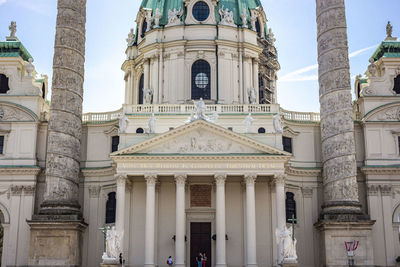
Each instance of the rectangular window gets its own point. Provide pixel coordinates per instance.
(287, 144)
(114, 143)
(1, 144)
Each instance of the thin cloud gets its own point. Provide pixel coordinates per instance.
(35, 6)
(2, 2)
(296, 76)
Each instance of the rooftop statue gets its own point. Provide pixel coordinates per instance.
(174, 17)
(226, 17)
(13, 29)
(30, 68)
(157, 17)
(244, 17)
(131, 37)
(253, 19)
(249, 122)
(389, 30)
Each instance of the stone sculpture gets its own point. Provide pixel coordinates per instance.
(278, 124)
(123, 123)
(252, 96)
(13, 29)
(287, 246)
(30, 68)
(253, 19)
(389, 30)
(113, 246)
(372, 68)
(131, 37)
(244, 17)
(201, 108)
(271, 36)
(149, 19)
(157, 17)
(151, 123)
(174, 17)
(249, 122)
(148, 95)
(226, 17)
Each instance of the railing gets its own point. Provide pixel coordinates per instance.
(101, 117)
(187, 109)
(182, 109)
(300, 116)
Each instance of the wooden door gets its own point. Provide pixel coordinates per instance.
(200, 242)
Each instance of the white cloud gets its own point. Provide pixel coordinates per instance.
(296, 76)
(3, 2)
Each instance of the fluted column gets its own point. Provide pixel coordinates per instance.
(251, 244)
(65, 124)
(279, 181)
(120, 209)
(180, 180)
(151, 180)
(220, 220)
(337, 126)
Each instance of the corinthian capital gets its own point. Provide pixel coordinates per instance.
(250, 178)
(151, 179)
(121, 178)
(180, 179)
(279, 178)
(220, 179)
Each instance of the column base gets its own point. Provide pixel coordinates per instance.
(221, 265)
(289, 265)
(251, 265)
(149, 265)
(109, 265)
(55, 242)
(179, 265)
(334, 234)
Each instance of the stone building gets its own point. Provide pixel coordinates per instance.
(178, 177)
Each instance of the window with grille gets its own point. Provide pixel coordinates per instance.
(397, 84)
(201, 79)
(3, 84)
(1, 144)
(290, 207)
(111, 206)
(287, 144)
(201, 11)
(114, 143)
(141, 85)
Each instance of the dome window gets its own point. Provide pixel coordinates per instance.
(261, 130)
(201, 72)
(201, 11)
(144, 28)
(139, 131)
(141, 87)
(3, 84)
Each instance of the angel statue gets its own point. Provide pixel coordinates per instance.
(123, 123)
(389, 30)
(226, 17)
(174, 17)
(277, 123)
(252, 96)
(13, 29)
(249, 122)
(287, 245)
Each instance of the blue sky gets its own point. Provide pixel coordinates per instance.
(109, 21)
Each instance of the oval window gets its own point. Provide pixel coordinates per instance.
(201, 11)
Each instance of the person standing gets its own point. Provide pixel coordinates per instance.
(199, 260)
(204, 259)
(170, 261)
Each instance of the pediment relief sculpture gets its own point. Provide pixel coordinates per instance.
(387, 114)
(10, 113)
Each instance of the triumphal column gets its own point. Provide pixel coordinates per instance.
(56, 230)
(341, 219)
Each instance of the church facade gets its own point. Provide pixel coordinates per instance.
(201, 157)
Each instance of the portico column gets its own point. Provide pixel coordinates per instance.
(120, 209)
(151, 180)
(220, 220)
(251, 244)
(180, 180)
(279, 180)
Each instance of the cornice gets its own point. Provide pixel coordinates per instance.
(15, 170)
(382, 170)
(311, 172)
(214, 157)
(101, 171)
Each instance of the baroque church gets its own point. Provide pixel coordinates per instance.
(200, 157)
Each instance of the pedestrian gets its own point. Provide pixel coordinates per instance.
(170, 261)
(204, 259)
(199, 259)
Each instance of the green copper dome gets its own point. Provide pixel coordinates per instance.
(236, 6)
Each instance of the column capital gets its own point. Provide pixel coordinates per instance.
(121, 178)
(250, 178)
(180, 179)
(279, 178)
(151, 178)
(220, 178)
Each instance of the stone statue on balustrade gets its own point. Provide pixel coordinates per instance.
(174, 17)
(131, 37)
(389, 30)
(13, 29)
(252, 96)
(278, 124)
(148, 95)
(157, 17)
(199, 113)
(244, 17)
(123, 123)
(249, 122)
(287, 245)
(113, 246)
(152, 123)
(226, 17)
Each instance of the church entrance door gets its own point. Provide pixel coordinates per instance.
(200, 241)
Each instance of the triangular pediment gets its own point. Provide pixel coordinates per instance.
(200, 137)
